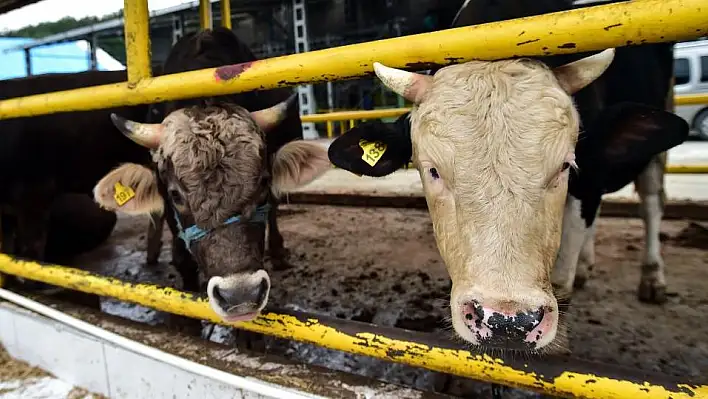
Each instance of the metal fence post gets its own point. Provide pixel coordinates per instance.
(205, 17)
(137, 40)
(225, 13)
(306, 95)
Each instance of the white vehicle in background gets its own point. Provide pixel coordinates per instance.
(691, 77)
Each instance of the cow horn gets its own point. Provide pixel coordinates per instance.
(269, 118)
(412, 86)
(146, 134)
(576, 75)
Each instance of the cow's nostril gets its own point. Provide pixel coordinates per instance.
(473, 313)
(222, 295)
(262, 291)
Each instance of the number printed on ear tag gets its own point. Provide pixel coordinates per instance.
(123, 194)
(373, 151)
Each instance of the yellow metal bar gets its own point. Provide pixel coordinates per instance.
(689, 169)
(137, 41)
(351, 116)
(691, 99)
(694, 99)
(225, 13)
(205, 20)
(585, 29)
(439, 358)
(351, 123)
(330, 129)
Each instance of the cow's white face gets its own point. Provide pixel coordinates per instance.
(493, 143)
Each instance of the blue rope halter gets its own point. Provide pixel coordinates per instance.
(194, 233)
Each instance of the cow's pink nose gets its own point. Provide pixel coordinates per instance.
(503, 329)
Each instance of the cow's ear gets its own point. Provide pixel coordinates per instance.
(624, 139)
(131, 189)
(298, 163)
(373, 148)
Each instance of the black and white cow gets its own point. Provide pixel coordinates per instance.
(513, 191)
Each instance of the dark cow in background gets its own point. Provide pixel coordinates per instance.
(514, 156)
(220, 164)
(49, 165)
(641, 74)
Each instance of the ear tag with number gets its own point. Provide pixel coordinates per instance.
(373, 151)
(123, 194)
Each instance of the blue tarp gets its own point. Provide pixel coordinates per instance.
(53, 58)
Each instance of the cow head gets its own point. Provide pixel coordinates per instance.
(494, 143)
(211, 166)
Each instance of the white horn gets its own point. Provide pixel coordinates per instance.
(269, 118)
(576, 75)
(412, 86)
(146, 134)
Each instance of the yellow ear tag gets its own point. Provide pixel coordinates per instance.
(123, 194)
(373, 151)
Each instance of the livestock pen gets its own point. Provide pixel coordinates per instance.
(588, 29)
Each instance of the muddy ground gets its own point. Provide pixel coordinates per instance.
(382, 266)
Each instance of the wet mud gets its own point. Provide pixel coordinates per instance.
(382, 266)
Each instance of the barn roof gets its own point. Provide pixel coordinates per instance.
(9, 5)
(52, 58)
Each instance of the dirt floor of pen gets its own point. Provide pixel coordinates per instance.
(381, 265)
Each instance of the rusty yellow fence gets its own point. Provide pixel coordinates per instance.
(587, 29)
(558, 376)
(349, 119)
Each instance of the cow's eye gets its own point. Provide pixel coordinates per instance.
(434, 173)
(565, 166)
(176, 197)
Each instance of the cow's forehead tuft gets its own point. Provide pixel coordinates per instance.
(205, 138)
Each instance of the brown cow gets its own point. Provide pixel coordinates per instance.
(212, 168)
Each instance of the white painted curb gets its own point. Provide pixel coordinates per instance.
(102, 362)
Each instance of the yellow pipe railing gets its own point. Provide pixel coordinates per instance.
(137, 42)
(687, 169)
(225, 13)
(684, 99)
(438, 356)
(353, 116)
(586, 29)
(205, 19)
(691, 99)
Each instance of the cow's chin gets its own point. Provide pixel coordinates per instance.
(240, 317)
(230, 315)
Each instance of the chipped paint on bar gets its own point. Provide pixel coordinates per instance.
(137, 41)
(565, 32)
(561, 378)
